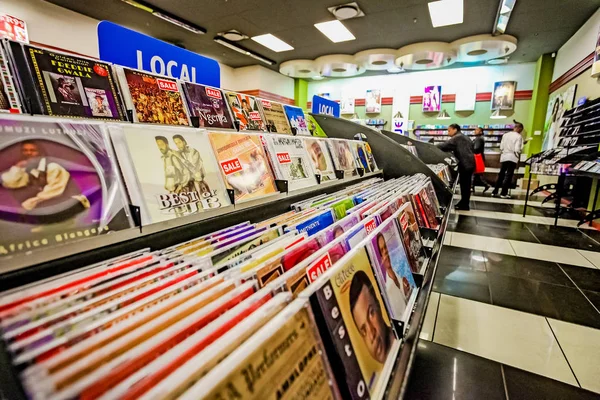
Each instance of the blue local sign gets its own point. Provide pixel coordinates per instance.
(122, 46)
(321, 105)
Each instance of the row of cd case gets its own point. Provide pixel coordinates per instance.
(313, 302)
(37, 80)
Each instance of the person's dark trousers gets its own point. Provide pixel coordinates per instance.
(505, 177)
(478, 180)
(465, 177)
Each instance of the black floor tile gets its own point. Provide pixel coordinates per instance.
(458, 256)
(563, 237)
(497, 207)
(440, 372)
(594, 297)
(523, 385)
(554, 301)
(463, 281)
(525, 268)
(585, 278)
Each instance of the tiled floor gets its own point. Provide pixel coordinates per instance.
(515, 312)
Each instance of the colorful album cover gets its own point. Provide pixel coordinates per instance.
(314, 128)
(338, 229)
(359, 232)
(208, 105)
(364, 314)
(275, 117)
(65, 85)
(411, 237)
(9, 97)
(244, 165)
(169, 172)
(321, 159)
(316, 224)
(245, 246)
(360, 155)
(246, 111)
(371, 158)
(343, 159)
(339, 208)
(391, 267)
(154, 99)
(58, 184)
(295, 255)
(297, 119)
(290, 161)
(429, 208)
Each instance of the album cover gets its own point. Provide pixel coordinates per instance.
(429, 208)
(343, 159)
(60, 84)
(170, 172)
(338, 229)
(245, 246)
(153, 99)
(316, 224)
(364, 316)
(244, 165)
(290, 161)
(275, 117)
(302, 251)
(360, 155)
(297, 119)
(208, 105)
(391, 267)
(411, 237)
(320, 158)
(246, 111)
(339, 208)
(58, 183)
(314, 128)
(9, 97)
(359, 232)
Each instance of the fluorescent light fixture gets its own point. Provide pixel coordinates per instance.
(503, 16)
(446, 12)
(496, 114)
(335, 31)
(272, 42)
(242, 50)
(165, 16)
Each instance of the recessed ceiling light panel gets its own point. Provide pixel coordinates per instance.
(335, 31)
(346, 11)
(272, 42)
(233, 35)
(446, 12)
(484, 47)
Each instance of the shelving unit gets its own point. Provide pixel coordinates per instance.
(493, 134)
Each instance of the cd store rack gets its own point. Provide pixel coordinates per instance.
(393, 160)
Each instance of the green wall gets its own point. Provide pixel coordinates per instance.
(539, 103)
(300, 92)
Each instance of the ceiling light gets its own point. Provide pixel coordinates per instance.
(395, 70)
(335, 31)
(496, 114)
(166, 16)
(233, 35)
(443, 115)
(497, 61)
(346, 11)
(242, 50)
(272, 42)
(446, 12)
(503, 16)
(318, 77)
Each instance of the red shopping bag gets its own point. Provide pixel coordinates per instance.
(479, 164)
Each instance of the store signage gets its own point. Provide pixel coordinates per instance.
(13, 28)
(129, 48)
(321, 105)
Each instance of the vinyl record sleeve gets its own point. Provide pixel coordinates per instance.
(321, 158)
(360, 155)
(316, 224)
(429, 208)
(342, 155)
(297, 119)
(58, 184)
(339, 208)
(63, 85)
(10, 101)
(411, 237)
(153, 98)
(246, 111)
(244, 165)
(169, 172)
(290, 161)
(391, 267)
(208, 104)
(275, 117)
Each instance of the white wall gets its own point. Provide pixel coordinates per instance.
(581, 44)
(414, 82)
(259, 77)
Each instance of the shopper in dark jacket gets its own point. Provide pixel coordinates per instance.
(479, 148)
(462, 148)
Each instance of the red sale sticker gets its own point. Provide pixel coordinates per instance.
(284, 158)
(214, 93)
(255, 116)
(266, 103)
(318, 268)
(231, 166)
(370, 226)
(100, 70)
(167, 85)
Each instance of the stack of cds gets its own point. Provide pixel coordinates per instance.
(312, 303)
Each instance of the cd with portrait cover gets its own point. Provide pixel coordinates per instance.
(411, 236)
(290, 161)
(58, 184)
(170, 172)
(153, 99)
(208, 104)
(243, 164)
(275, 117)
(60, 84)
(246, 111)
(297, 119)
(342, 155)
(320, 158)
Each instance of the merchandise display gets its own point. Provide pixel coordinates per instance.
(275, 117)
(343, 157)
(321, 159)
(208, 105)
(290, 161)
(297, 119)
(246, 111)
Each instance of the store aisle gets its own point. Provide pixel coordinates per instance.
(515, 311)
